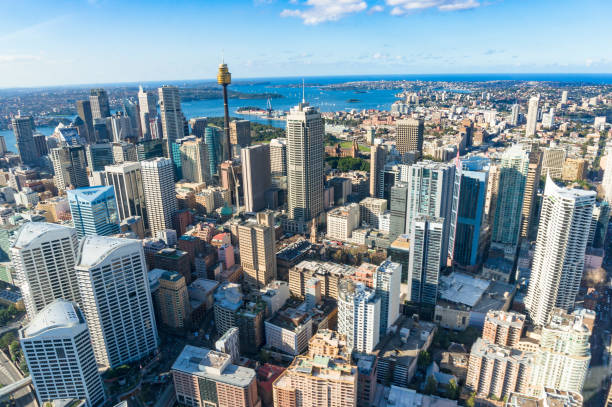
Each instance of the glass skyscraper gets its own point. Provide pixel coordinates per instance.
(94, 211)
(212, 138)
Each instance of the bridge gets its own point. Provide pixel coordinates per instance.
(13, 387)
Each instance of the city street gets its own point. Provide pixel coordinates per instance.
(10, 374)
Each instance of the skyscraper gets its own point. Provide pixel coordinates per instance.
(198, 126)
(70, 167)
(99, 155)
(531, 189)
(256, 179)
(378, 159)
(257, 253)
(94, 211)
(148, 110)
(426, 239)
(514, 117)
(240, 133)
(112, 278)
(100, 108)
(606, 183)
(43, 255)
(397, 206)
(532, 116)
(23, 127)
(195, 165)
(158, 182)
(358, 315)
(57, 347)
(126, 178)
(278, 162)
(558, 262)
(564, 97)
(171, 114)
(468, 211)
(84, 112)
(305, 162)
(511, 190)
(213, 139)
(387, 281)
(430, 193)
(409, 136)
(173, 300)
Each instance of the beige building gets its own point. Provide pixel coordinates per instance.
(240, 133)
(207, 378)
(342, 221)
(531, 188)
(503, 328)
(257, 253)
(552, 161)
(574, 169)
(370, 209)
(409, 135)
(173, 300)
(330, 274)
(323, 377)
(194, 161)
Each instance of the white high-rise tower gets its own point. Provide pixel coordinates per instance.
(148, 110)
(560, 248)
(44, 256)
(532, 115)
(112, 278)
(158, 182)
(305, 149)
(171, 114)
(57, 348)
(358, 315)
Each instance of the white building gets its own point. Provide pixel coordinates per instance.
(548, 119)
(358, 315)
(370, 209)
(342, 221)
(43, 255)
(275, 295)
(159, 192)
(387, 282)
(606, 183)
(126, 178)
(171, 115)
(28, 197)
(289, 335)
(563, 358)
(114, 286)
(532, 116)
(230, 343)
(558, 262)
(305, 161)
(148, 110)
(57, 348)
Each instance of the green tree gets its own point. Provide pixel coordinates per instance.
(471, 401)
(424, 360)
(432, 386)
(452, 391)
(6, 340)
(14, 349)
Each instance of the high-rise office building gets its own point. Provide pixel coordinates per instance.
(514, 116)
(606, 183)
(204, 377)
(257, 253)
(229, 343)
(114, 287)
(378, 159)
(198, 126)
(147, 149)
(532, 182)
(158, 182)
(430, 193)
(101, 131)
(358, 315)
(213, 139)
(467, 212)
(553, 159)
(564, 97)
(599, 224)
(148, 110)
(278, 157)
(305, 132)
(126, 178)
(131, 110)
(409, 136)
(99, 155)
(195, 165)
(532, 116)
(94, 211)
(171, 114)
(558, 262)
(562, 360)
(173, 300)
(98, 99)
(70, 166)
(240, 133)
(387, 280)
(510, 195)
(324, 377)
(40, 140)
(503, 328)
(43, 255)
(256, 178)
(23, 127)
(426, 240)
(57, 347)
(84, 112)
(123, 152)
(397, 206)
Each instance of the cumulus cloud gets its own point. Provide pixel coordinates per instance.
(318, 11)
(400, 7)
(376, 9)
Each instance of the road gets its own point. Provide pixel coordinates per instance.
(10, 327)
(10, 374)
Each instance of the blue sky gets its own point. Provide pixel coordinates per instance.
(99, 41)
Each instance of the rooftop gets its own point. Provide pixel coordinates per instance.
(462, 288)
(95, 249)
(58, 314)
(30, 231)
(90, 194)
(212, 365)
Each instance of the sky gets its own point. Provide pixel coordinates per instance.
(48, 43)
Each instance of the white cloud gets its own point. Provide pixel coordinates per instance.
(319, 11)
(376, 9)
(18, 58)
(406, 6)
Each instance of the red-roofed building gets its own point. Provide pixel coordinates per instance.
(266, 374)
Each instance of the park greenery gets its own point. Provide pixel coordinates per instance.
(345, 164)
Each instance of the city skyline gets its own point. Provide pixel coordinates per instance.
(377, 37)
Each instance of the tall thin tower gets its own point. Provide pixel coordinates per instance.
(224, 78)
